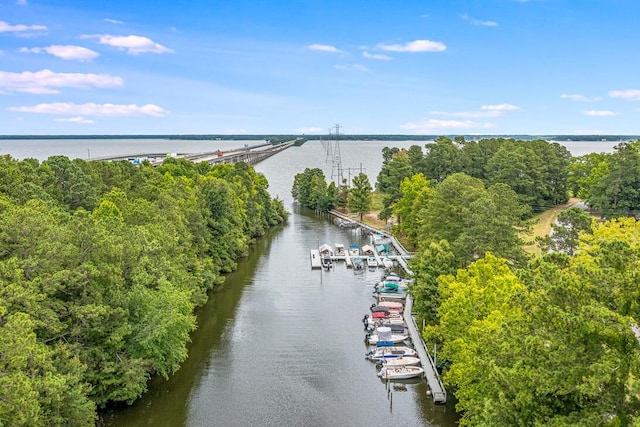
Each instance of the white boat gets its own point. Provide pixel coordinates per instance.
(387, 262)
(401, 361)
(357, 262)
(371, 261)
(339, 249)
(384, 336)
(354, 250)
(327, 262)
(400, 372)
(375, 339)
(385, 353)
(397, 297)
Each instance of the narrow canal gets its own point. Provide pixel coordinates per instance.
(282, 344)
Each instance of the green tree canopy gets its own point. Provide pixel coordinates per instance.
(360, 197)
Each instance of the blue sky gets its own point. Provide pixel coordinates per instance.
(376, 67)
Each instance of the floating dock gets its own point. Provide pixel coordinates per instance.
(316, 262)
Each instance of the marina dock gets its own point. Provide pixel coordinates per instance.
(436, 387)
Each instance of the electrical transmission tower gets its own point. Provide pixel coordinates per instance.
(336, 166)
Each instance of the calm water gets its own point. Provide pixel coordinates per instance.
(280, 344)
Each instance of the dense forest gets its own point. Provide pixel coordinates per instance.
(101, 267)
(523, 340)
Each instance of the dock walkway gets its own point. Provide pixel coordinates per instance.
(438, 392)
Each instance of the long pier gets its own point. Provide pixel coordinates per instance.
(250, 155)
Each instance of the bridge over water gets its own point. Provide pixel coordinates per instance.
(248, 154)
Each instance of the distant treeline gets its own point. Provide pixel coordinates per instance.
(374, 137)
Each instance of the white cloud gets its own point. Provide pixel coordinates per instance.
(500, 107)
(73, 53)
(46, 81)
(474, 21)
(7, 28)
(599, 113)
(631, 94)
(324, 48)
(436, 126)
(113, 21)
(134, 45)
(351, 67)
(578, 97)
(414, 46)
(80, 120)
(378, 56)
(91, 109)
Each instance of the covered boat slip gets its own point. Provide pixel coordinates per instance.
(339, 253)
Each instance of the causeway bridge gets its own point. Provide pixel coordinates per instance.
(247, 154)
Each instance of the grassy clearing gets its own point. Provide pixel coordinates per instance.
(542, 225)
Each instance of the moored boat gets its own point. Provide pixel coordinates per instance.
(384, 353)
(391, 296)
(387, 262)
(391, 305)
(400, 361)
(357, 262)
(389, 341)
(385, 337)
(386, 317)
(400, 372)
(371, 261)
(327, 262)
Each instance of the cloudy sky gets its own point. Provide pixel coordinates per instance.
(301, 66)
